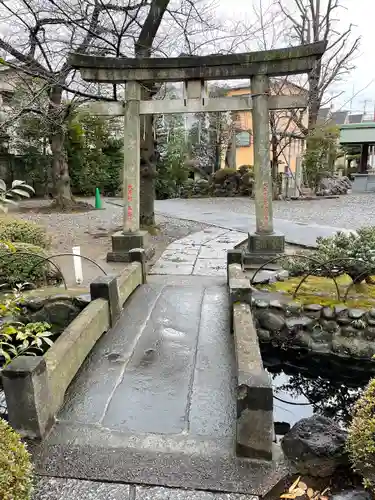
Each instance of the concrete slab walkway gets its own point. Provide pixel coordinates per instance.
(154, 403)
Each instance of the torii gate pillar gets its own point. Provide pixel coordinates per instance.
(264, 243)
(131, 236)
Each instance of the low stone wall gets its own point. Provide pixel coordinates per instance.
(254, 433)
(35, 386)
(337, 330)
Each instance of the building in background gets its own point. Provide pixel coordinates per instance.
(285, 131)
(341, 117)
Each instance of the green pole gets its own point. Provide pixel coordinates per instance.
(98, 201)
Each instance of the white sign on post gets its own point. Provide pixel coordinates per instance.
(77, 263)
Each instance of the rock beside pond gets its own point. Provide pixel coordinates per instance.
(315, 446)
(352, 495)
(59, 310)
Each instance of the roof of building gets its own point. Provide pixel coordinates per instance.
(357, 118)
(339, 117)
(359, 125)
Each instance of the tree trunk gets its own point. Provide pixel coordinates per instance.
(62, 193)
(60, 172)
(230, 156)
(314, 97)
(147, 168)
(143, 48)
(274, 157)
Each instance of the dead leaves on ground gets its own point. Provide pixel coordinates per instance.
(301, 491)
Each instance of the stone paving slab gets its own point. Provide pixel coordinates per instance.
(144, 493)
(210, 267)
(212, 252)
(210, 472)
(162, 324)
(158, 378)
(167, 267)
(232, 237)
(204, 236)
(74, 489)
(181, 257)
(200, 254)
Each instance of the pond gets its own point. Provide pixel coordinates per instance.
(304, 386)
(3, 406)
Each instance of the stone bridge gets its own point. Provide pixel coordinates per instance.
(154, 400)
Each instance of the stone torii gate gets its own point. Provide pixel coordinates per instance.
(195, 71)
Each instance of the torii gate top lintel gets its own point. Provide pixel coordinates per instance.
(277, 62)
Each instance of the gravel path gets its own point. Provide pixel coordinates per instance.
(350, 211)
(92, 232)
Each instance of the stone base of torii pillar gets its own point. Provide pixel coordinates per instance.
(122, 243)
(262, 248)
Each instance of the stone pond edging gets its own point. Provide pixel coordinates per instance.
(254, 429)
(339, 330)
(35, 386)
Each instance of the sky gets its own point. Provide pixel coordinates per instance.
(357, 12)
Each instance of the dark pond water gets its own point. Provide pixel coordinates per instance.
(3, 406)
(304, 386)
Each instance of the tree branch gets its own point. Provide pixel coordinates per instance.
(150, 27)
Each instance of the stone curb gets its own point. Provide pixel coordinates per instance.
(254, 432)
(35, 386)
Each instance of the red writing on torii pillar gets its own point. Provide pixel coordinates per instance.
(130, 192)
(130, 199)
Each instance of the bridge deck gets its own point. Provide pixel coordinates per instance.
(154, 403)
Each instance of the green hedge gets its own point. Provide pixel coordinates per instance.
(23, 231)
(15, 466)
(361, 440)
(15, 269)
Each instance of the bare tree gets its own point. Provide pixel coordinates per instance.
(317, 20)
(283, 123)
(38, 35)
(43, 34)
(283, 128)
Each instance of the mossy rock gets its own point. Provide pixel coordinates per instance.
(222, 175)
(361, 438)
(245, 169)
(320, 290)
(15, 466)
